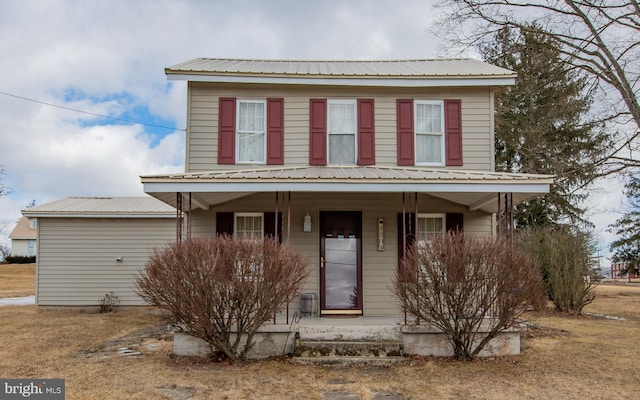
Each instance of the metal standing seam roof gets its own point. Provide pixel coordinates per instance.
(351, 174)
(417, 69)
(103, 206)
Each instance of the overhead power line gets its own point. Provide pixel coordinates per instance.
(90, 113)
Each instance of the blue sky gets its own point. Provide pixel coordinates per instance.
(108, 58)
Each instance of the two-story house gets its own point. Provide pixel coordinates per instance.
(348, 161)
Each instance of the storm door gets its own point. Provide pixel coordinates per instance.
(340, 262)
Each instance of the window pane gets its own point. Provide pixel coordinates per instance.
(251, 147)
(428, 118)
(428, 227)
(251, 117)
(428, 149)
(342, 133)
(342, 118)
(248, 226)
(251, 131)
(342, 149)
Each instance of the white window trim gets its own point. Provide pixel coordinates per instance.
(247, 214)
(355, 135)
(442, 135)
(443, 217)
(237, 146)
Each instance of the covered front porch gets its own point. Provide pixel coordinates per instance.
(353, 224)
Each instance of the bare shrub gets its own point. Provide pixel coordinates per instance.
(222, 290)
(471, 288)
(565, 262)
(109, 303)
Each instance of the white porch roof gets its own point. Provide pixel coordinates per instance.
(477, 190)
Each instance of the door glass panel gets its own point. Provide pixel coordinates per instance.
(341, 273)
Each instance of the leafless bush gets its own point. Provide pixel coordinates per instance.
(564, 260)
(109, 303)
(222, 290)
(471, 288)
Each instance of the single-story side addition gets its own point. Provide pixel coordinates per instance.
(90, 246)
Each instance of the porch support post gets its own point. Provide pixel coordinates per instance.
(275, 234)
(509, 220)
(289, 218)
(404, 245)
(190, 217)
(499, 216)
(178, 217)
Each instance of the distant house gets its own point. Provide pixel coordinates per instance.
(24, 237)
(616, 272)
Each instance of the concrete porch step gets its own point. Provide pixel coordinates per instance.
(350, 329)
(341, 348)
(336, 361)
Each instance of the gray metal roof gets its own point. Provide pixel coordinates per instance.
(478, 190)
(458, 72)
(121, 207)
(352, 174)
(458, 67)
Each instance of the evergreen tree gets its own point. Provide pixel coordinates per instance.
(626, 248)
(541, 125)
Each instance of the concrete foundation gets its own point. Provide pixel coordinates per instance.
(426, 340)
(269, 341)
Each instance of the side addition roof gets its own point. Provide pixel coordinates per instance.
(103, 207)
(398, 73)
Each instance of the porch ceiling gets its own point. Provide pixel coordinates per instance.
(478, 190)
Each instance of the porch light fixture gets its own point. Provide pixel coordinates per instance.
(380, 234)
(307, 223)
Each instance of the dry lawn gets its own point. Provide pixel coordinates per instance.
(17, 280)
(571, 358)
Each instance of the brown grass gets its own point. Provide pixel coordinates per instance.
(572, 358)
(17, 280)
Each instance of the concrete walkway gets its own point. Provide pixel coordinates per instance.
(18, 301)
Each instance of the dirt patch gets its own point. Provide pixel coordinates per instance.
(134, 344)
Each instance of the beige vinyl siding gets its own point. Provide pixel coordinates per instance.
(77, 257)
(378, 267)
(477, 125)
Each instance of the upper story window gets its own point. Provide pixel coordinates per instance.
(251, 133)
(342, 132)
(33, 223)
(429, 131)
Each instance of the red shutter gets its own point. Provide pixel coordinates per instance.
(318, 132)
(453, 132)
(275, 131)
(406, 155)
(227, 131)
(224, 223)
(454, 222)
(366, 133)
